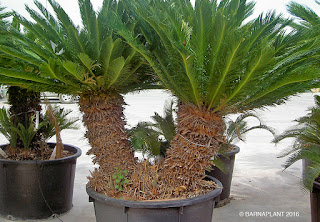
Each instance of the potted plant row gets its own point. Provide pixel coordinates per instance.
(37, 179)
(206, 54)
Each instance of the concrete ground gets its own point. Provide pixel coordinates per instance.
(261, 190)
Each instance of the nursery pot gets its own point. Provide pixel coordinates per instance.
(314, 196)
(315, 202)
(183, 210)
(225, 178)
(37, 189)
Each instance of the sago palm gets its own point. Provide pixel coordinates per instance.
(90, 61)
(216, 62)
(307, 132)
(306, 145)
(20, 114)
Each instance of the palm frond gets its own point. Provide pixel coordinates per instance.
(82, 59)
(236, 130)
(306, 14)
(207, 56)
(306, 144)
(48, 128)
(154, 137)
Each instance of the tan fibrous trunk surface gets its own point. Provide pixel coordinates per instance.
(198, 138)
(104, 119)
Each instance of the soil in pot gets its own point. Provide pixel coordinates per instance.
(30, 154)
(37, 189)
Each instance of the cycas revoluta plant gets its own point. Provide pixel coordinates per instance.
(216, 64)
(306, 145)
(307, 131)
(91, 61)
(21, 116)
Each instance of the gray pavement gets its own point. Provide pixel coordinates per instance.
(261, 190)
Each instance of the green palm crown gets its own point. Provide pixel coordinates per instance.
(67, 58)
(210, 55)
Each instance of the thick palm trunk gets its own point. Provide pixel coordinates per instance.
(104, 119)
(199, 134)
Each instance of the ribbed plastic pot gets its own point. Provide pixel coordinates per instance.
(225, 178)
(37, 189)
(185, 210)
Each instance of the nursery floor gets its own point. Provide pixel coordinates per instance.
(261, 190)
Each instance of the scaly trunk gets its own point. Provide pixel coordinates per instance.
(199, 135)
(104, 119)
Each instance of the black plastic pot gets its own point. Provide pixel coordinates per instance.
(225, 178)
(315, 202)
(37, 189)
(314, 195)
(186, 210)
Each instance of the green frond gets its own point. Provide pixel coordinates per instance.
(36, 30)
(143, 138)
(48, 128)
(236, 130)
(75, 69)
(116, 67)
(312, 172)
(23, 55)
(146, 136)
(19, 74)
(90, 23)
(80, 59)
(6, 126)
(46, 27)
(306, 14)
(306, 145)
(207, 56)
(26, 134)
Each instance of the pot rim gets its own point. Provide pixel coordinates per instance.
(77, 153)
(157, 204)
(231, 153)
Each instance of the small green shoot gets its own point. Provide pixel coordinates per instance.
(120, 179)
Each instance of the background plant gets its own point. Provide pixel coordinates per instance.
(307, 131)
(26, 132)
(153, 138)
(306, 145)
(237, 129)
